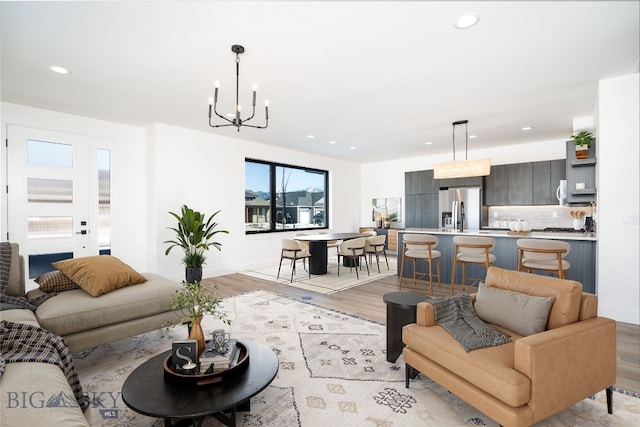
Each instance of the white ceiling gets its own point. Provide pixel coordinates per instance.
(384, 77)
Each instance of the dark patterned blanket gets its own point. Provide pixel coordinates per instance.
(8, 302)
(26, 343)
(456, 315)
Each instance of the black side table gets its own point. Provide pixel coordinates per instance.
(401, 310)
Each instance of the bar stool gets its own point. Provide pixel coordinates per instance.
(421, 246)
(548, 255)
(471, 250)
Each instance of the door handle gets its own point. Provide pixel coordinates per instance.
(82, 232)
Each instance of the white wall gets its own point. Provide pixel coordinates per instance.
(618, 194)
(158, 168)
(206, 172)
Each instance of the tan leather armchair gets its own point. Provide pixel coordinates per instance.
(532, 377)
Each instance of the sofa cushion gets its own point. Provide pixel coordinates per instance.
(518, 312)
(21, 315)
(490, 369)
(99, 274)
(567, 293)
(26, 388)
(74, 311)
(55, 281)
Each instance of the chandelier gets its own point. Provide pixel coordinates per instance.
(237, 120)
(461, 168)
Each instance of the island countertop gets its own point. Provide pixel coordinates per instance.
(582, 255)
(505, 233)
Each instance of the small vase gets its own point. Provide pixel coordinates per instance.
(197, 334)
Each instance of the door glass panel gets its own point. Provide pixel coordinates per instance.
(104, 201)
(43, 190)
(49, 227)
(53, 154)
(40, 264)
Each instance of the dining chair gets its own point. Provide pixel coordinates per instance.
(353, 250)
(292, 250)
(376, 246)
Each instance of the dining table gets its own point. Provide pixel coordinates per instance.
(318, 248)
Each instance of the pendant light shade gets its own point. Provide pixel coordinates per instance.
(461, 168)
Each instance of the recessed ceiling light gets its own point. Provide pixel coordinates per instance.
(352, 148)
(466, 21)
(59, 70)
(332, 142)
(473, 136)
(310, 136)
(428, 143)
(526, 128)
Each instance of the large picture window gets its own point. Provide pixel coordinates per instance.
(279, 197)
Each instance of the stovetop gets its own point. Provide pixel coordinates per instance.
(562, 230)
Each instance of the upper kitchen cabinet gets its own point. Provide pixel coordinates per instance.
(472, 181)
(532, 183)
(420, 182)
(581, 176)
(520, 184)
(496, 189)
(546, 178)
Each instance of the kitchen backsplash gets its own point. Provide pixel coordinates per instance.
(539, 217)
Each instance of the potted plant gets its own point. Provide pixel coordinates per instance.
(194, 301)
(194, 235)
(582, 141)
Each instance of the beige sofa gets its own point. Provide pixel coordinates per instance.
(83, 321)
(532, 377)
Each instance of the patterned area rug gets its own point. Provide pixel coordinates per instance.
(329, 283)
(333, 372)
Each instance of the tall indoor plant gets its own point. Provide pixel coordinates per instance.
(194, 235)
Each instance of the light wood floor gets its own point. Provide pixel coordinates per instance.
(365, 301)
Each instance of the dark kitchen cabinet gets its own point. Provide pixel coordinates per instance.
(472, 181)
(496, 190)
(421, 211)
(533, 183)
(420, 182)
(519, 187)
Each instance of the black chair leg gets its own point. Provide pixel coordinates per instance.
(610, 400)
(279, 266)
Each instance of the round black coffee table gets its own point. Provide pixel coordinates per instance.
(146, 392)
(401, 310)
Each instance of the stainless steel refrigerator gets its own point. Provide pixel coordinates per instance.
(460, 206)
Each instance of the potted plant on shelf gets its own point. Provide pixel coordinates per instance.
(194, 301)
(194, 235)
(582, 141)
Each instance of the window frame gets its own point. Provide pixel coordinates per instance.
(273, 197)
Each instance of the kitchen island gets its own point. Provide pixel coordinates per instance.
(582, 256)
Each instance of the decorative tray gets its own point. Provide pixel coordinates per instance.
(518, 233)
(197, 380)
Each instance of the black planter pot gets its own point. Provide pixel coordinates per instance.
(193, 274)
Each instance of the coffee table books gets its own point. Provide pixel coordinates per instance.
(212, 360)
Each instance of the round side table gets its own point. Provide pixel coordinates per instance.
(401, 310)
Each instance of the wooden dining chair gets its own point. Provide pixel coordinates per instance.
(353, 250)
(292, 250)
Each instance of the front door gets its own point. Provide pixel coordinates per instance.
(51, 191)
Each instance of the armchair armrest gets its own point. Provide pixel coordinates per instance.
(567, 364)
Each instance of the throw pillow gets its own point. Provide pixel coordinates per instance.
(55, 281)
(99, 274)
(518, 312)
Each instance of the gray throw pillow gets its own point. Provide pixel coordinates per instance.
(518, 312)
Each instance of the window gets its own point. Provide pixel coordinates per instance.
(281, 197)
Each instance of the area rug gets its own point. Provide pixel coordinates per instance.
(332, 372)
(329, 283)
